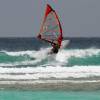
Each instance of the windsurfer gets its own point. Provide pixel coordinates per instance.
(39, 36)
(51, 30)
(55, 48)
(55, 45)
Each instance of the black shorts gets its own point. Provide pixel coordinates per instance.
(55, 50)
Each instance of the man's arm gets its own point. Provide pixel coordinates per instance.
(39, 36)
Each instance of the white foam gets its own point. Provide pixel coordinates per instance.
(49, 72)
(27, 62)
(64, 55)
(46, 81)
(59, 59)
(18, 53)
(36, 55)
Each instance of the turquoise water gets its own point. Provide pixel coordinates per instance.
(71, 57)
(48, 95)
(85, 60)
(15, 59)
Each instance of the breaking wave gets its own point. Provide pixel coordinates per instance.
(49, 72)
(65, 57)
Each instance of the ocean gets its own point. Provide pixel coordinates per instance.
(72, 73)
(48, 95)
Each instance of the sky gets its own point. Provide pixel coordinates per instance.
(22, 18)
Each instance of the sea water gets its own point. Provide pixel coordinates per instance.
(28, 59)
(48, 95)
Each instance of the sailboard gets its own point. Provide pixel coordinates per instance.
(51, 30)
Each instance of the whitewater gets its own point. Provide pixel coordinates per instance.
(47, 66)
(35, 65)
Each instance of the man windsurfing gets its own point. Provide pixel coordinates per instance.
(51, 30)
(55, 48)
(55, 45)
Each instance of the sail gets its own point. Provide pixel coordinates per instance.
(51, 30)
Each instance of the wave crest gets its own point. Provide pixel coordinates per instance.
(42, 57)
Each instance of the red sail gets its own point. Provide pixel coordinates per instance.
(51, 30)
